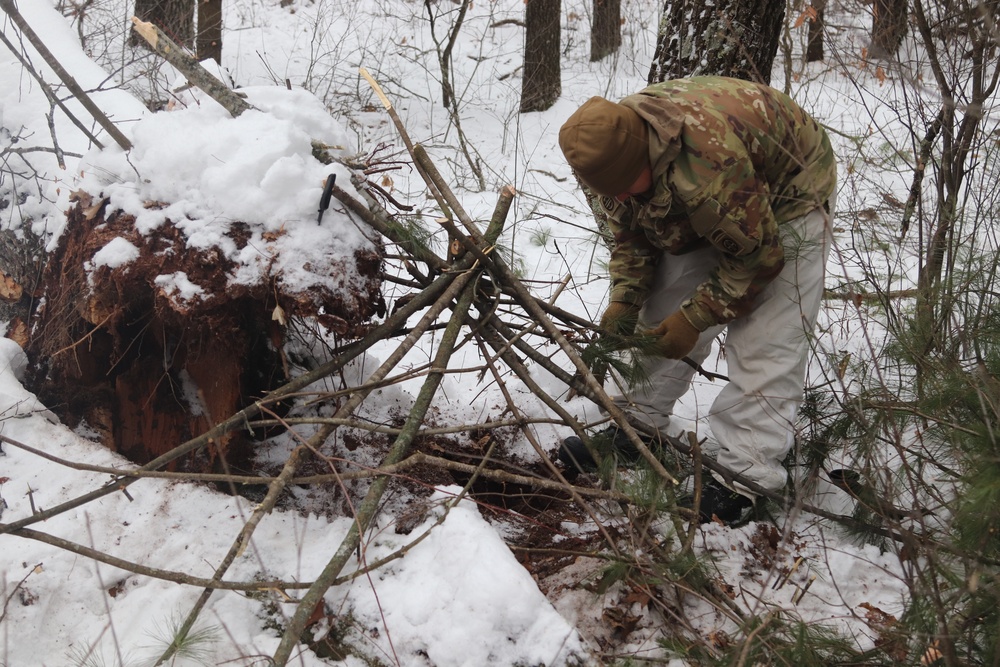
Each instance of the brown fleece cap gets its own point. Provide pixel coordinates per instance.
(606, 144)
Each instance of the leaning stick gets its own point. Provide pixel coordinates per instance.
(47, 89)
(529, 303)
(187, 65)
(370, 504)
(8, 7)
(435, 192)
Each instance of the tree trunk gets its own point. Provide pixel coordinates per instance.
(737, 38)
(814, 47)
(210, 30)
(542, 85)
(888, 27)
(174, 17)
(606, 34)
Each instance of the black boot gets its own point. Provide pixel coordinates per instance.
(721, 502)
(611, 441)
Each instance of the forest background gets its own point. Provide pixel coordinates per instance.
(412, 515)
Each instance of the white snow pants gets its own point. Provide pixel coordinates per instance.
(753, 418)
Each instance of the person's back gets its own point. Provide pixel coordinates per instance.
(729, 120)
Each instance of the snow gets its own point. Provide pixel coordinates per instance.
(210, 170)
(117, 252)
(457, 596)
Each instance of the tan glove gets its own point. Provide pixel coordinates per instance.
(676, 336)
(619, 319)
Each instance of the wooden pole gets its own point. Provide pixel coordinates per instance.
(189, 66)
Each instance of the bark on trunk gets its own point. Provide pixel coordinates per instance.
(737, 38)
(606, 35)
(888, 27)
(542, 83)
(210, 30)
(814, 46)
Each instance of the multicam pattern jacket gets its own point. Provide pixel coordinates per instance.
(732, 161)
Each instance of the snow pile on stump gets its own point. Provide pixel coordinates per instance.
(168, 290)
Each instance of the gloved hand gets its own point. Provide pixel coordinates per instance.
(619, 319)
(676, 336)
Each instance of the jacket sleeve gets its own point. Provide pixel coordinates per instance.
(633, 257)
(734, 214)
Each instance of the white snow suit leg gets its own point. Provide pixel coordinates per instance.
(753, 417)
(676, 278)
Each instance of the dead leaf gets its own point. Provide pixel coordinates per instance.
(10, 290)
(622, 622)
(91, 212)
(318, 613)
(82, 197)
(637, 596)
(271, 237)
(888, 638)
(808, 14)
(18, 332)
(844, 363)
(719, 640)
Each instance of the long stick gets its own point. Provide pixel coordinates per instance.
(47, 89)
(527, 301)
(190, 67)
(369, 506)
(405, 136)
(69, 81)
(393, 322)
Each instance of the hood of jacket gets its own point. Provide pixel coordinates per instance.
(666, 124)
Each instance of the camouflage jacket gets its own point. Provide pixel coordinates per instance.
(731, 161)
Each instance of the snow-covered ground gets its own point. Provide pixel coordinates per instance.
(459, 596)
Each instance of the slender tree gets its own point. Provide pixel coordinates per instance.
(737, 38)
(209, 39)
(889, 19)
(814, 44)
(542, 83)
(606, 33)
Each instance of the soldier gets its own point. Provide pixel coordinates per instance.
(719, 194)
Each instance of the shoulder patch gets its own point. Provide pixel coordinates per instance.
(607, 203)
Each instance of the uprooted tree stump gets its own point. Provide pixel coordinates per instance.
(142, 367)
